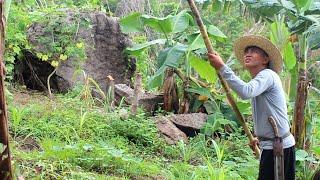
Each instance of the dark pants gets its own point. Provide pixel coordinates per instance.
(266, 171)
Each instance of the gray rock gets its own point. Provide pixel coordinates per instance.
(194, 121)
(148, 101)
(104, 49)
(171, 133)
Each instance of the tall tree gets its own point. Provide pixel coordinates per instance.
(5, 162)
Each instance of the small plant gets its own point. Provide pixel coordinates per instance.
(90, 86)
(16, 117)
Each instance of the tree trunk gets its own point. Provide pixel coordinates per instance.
(5, 162)
(299, 124)
(170, 92)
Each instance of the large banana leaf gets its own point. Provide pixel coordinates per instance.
(302, 5)
(203, 68)
(279, 36)
(196, 41)
(201, 91)
(264, 8)
(289, 56)
(169, 57)
(314, 8)
(162, 25)
(181, 21)
(313, 33)
(170, 24)
(138, 48)
(215, 32)
(131, 23)
(157, 80)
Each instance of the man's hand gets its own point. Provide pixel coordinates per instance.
(215, 60)
(254, 143)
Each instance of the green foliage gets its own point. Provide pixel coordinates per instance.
(64, 42)
(173, 28)
(280, 36)
(131, 23)
(76, 139)
(60, 39)
(79, 140)
(16, 38)
(215, 123)
(203, 68)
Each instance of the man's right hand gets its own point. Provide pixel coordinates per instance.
(254, 143)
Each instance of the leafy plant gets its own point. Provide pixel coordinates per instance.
(176, 29)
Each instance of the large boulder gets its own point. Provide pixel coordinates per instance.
(104, 50)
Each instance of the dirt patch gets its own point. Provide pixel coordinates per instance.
(24, 97)
(28, 144)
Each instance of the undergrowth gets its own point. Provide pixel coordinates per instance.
(67, 138)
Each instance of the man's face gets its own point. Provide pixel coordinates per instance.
(255, 57)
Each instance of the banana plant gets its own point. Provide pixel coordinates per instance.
(303, 21)
(181, 44)
(280, 35)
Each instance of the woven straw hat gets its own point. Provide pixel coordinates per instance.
(253, 40)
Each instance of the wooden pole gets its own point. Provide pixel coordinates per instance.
(5, 162)
(208, 44)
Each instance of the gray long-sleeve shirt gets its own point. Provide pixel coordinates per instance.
(268, 99)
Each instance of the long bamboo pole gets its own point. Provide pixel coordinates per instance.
(5, 162)
(208, 44)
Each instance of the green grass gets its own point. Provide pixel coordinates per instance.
(68, 138)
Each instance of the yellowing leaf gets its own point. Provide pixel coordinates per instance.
(79, 45)
(39, 55)
(203, 98)
(16, 49)
(55, 63)
(63, 57)
(45, 57)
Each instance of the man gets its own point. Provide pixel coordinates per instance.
(263, 60)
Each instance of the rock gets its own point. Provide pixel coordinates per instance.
(104, 50)
(171, 133)
(148, 101)
(123, 90)
(194, 121)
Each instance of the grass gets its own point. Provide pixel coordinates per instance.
(67, 138)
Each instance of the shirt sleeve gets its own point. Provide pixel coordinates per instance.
(261, 82)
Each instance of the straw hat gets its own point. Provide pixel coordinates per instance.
(253, 40)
